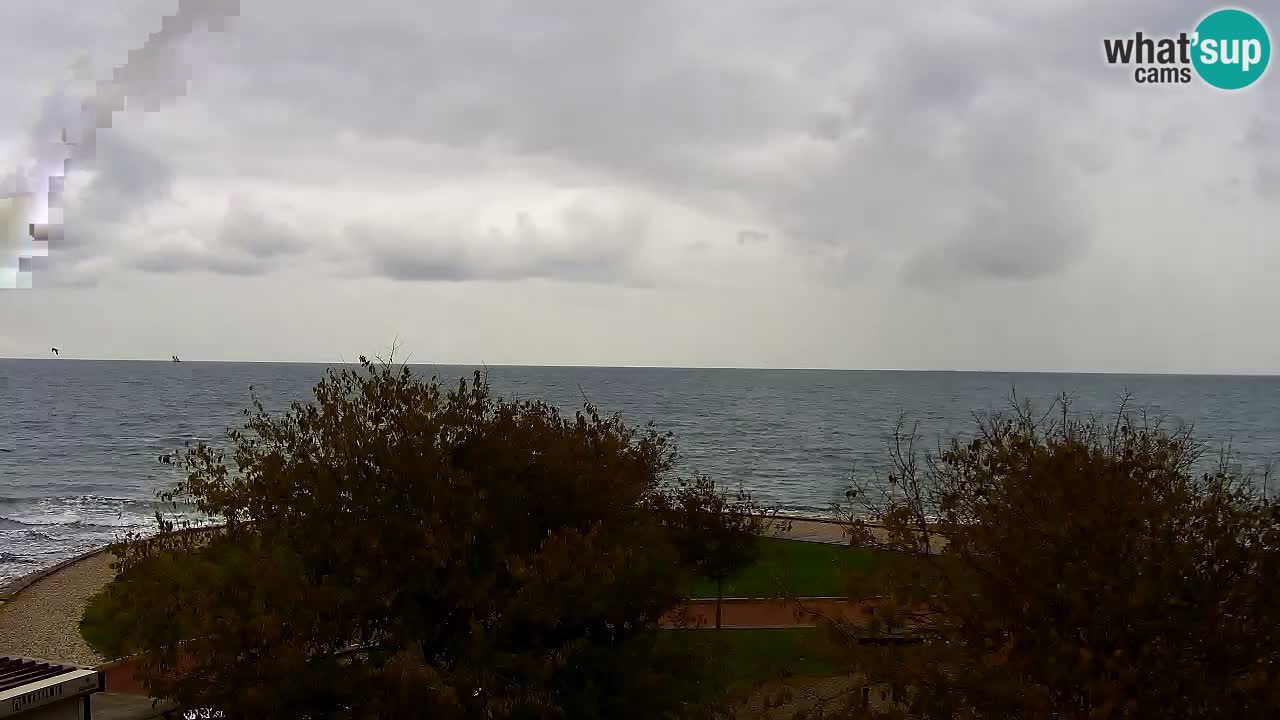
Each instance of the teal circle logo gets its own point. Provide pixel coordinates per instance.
(1232, 49)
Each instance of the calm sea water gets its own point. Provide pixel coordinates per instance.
(79, 440)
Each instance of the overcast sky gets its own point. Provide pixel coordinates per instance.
(781, 183)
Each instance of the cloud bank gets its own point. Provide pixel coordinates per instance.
(880, 173)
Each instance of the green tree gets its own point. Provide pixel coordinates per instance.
(398, 549)
(1070, 568)
(716, 534)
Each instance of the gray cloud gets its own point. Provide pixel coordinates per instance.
(105, 198)
(1023, 217)
(104, 210)
(901, 165)
(582, 246)
(65, 130)
(247, 241)
(667, 120)
(949, 150)
(1261, 144)
(253, 231)
(127, 178)
(185, 260)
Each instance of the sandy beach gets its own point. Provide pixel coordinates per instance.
(43, 620)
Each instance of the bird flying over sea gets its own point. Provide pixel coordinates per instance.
(54, 351)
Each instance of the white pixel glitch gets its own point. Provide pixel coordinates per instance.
(31, 207)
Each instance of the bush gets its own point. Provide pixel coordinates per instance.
(1088, 572)
(103, 622)
(395, 548)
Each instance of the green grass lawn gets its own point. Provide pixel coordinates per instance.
(747, 656)
(804, 568)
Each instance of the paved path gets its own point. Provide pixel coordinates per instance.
(122, 706)
(750, 613)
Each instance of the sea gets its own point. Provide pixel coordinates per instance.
(80, 440)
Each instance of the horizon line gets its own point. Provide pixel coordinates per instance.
(1171, 373)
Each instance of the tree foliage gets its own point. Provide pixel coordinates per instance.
(398, 549)
(716, 533)
(1071, 568)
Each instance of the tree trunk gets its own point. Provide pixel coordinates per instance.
(719, 597)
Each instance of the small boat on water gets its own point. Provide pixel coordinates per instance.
(175, 359)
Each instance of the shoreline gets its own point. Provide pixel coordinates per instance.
(9, 589)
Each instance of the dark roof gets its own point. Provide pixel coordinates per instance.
(16, 671)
